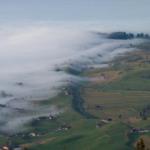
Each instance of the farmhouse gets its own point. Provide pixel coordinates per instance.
(139, 130)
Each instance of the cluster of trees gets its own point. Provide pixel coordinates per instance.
(121, 35)
(125, 36)
(144, 114)
(142, 35)
(140, 145)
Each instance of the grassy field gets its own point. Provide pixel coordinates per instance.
(122, 92)
(87, 137)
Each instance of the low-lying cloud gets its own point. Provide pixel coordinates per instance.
(28, 58)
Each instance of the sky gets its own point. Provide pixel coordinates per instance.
(105, 12)
(74, 10)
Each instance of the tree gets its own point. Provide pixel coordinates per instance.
(140, 145)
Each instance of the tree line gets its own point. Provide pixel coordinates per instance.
(125, 36)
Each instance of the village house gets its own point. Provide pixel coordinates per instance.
(139, 130)
(64, 127)
(103, 122)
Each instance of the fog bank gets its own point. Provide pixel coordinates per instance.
(29, 57)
